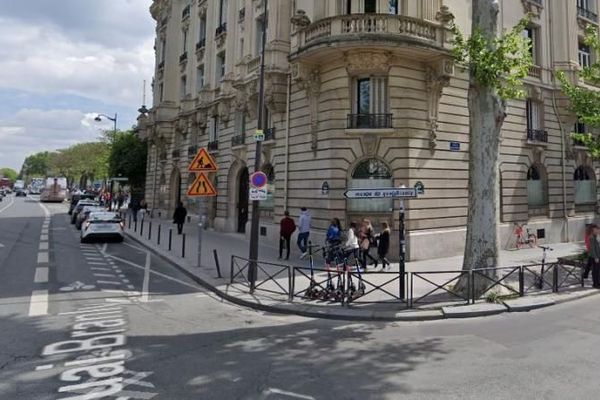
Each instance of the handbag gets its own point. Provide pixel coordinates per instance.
(365, 244)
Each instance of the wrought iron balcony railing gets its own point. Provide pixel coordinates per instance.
(201, 44)
(238, 140)
(175, 154)
(221, 29)
(537, 135)
(213, 145)
(270, 134)
(587, 14)
(192, 150)
(369, 121)
(183, 57)
(186, 12)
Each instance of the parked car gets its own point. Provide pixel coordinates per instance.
(76, 197)
(102, 225)
(79, 207)
(84, 213)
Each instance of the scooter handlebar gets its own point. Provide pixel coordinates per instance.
(546, 248)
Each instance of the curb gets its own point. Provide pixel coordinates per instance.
(351, 314)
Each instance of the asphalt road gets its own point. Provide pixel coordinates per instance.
(114, 322)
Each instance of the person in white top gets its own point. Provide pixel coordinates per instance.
(351, 246)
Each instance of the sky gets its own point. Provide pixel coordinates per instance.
(62, 62)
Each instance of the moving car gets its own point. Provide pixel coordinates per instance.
(79, 207)
(84, 213)
(103, 225)
(20, 193)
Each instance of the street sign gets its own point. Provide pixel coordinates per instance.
(118, 179)
(381, 193)
(420, 188)
(201, 187)
(258, 180)
(203, 162)
(454, 146)
(259, 135)
(258, 194)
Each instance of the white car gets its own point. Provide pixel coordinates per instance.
(103, 225)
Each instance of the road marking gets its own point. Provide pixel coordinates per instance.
(44, 367)
(109, 282)
(43, 245)
(1, 245)
(44, 237)
(130, 287)
(45, 209)
(135, 247)
(42, 257)
(146, 282)
(125, 280)
(287, 394)
(104, 247)
(41, 275)
(105, 275)
(38, 305)
(120, 292)
(12, 201)
(100, 269)
(94, 258)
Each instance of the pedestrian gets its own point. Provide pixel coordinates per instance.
(143, 208)
(303, 231)
(366, 241)
(334, 232)
(287, 226)
(383, 245)
(587, 236)
(595, 256)
(179, 217)
(351, 246)
(120, 200)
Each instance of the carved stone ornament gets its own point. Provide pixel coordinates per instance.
(300, 20)
(444, 15)
(224, 109)
(220, 40)
(532, 7)
(202, 10)
(436, 80)
(370, 144)
(310, 82)
(372, 62)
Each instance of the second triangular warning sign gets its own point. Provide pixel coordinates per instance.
(202, 187)
(203, 162)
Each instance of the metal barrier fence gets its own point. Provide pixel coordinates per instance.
(435, 287)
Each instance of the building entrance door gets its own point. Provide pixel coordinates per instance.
(175, 188)
(242, 204)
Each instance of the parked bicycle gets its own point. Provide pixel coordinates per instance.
(524, 237)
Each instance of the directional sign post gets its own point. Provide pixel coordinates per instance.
(381, 193)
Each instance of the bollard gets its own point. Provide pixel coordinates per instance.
(218, 265)
(142, 228)
(135, 226)
(129, 227)
(170, 237)
(555, 278)
(521, 281)
(183, 246)
(150, 230)
(158, 240)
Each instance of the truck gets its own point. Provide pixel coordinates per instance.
(55, 190)
(19, 184)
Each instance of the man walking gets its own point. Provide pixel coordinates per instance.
(287, 226)
(595, 256)
(179, 217)
(303, 231)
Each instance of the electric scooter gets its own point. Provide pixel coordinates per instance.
(313, 291)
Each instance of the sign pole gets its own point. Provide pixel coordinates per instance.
(402, 252)
(201, 211)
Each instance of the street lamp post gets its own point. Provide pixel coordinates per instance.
(113, 119)
(252, 267)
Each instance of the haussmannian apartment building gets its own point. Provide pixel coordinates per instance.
(362, 93)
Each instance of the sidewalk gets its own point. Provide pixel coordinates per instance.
(428, 281)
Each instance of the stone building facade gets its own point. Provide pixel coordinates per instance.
(362, 93)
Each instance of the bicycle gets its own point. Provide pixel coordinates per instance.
(524, 237)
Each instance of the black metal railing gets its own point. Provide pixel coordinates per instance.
(192, 150)
(241, 14)
(175, 154)
(221, 29)
(506, 279)
(587, 14)
(270, 134)
(537, 135)
(369, 121)
(213, 145)
(538, 2)
(201, 44)
(238, 140)
(162, 156)
(183, 57)
(444, 292)
(266, 273)
(578, 143)
(186, 12)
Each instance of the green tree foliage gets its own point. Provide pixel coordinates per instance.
(9, 173)
(35, 166)
(585, 101)
(81, 162)
(127, 157)
(500, 62)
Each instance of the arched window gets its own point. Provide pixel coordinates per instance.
(585, 185)
(270, 202)
(537, 195)
(371, 173)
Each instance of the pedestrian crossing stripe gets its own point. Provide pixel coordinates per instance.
(203, 162)
(202, 187)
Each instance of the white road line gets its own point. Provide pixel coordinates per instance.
(44, 231)
(44, 367)
(109, 282)
(135, 247)
(126, 281)
(42, 257)
(41, 275)
(94, 258)
(12, 201)
(100, 269)
(130, 287)
(104, 247)
(287, 394)
(105, 275)
(43, 245)
(44, 237)
(38, 304)
(146, 282)
(120, 292)
(46, 211)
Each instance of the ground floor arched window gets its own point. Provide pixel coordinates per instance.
(537, 192)
(584, 181)
(368, 174)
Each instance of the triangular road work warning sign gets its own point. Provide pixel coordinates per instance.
(203, 162)
(202, 187)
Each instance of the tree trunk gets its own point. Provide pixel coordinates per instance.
(486, 115)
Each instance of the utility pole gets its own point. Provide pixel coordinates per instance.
(252, 267)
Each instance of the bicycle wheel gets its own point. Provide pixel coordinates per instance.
(532, 240)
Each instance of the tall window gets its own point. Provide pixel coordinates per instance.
(241, 50)
(370, 173)
(259, 34)
(370, 6)
(584, 5)
(532, 33)
(585, 185)
(536, 188)
(202, 31)
(533, 111)
(184, 36)
(222, 13)
(200, 78)
(370, 103)
(163, 49)
(270, 202)
(585, 55)
(220, 66)
(183, 86)
(393, 7)
(161, 92)
(240, 123)
(213, 133)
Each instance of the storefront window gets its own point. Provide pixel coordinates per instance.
(371, 173)
(585, 186)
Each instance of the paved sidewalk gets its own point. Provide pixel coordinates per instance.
(377, 304)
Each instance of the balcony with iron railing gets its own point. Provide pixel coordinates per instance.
(238, 140)
(213, 145)
(201, 44)
(221, 29)
(183, 57)
(369, 121)
(537, 136)
(269, 134)
(388, 29)
(587, 14)
(186, 12)
(192, 150)
(175, 154)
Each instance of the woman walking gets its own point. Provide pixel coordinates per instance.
(367, 240)
(383, 245)
(179, 217)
